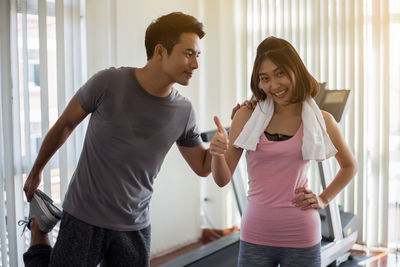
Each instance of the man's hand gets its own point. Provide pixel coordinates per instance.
(32, 183)
(219, 142)
(250, 104)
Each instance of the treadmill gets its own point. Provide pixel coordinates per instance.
(338, 228)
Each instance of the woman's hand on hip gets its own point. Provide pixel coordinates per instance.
(307, 199)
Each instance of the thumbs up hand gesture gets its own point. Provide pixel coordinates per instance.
(220, 141)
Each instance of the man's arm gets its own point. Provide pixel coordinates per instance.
(198, 158)
(55, 138)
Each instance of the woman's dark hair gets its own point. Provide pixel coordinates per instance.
(283, 55)
(167, 29)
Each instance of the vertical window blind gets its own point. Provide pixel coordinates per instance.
(41, 68)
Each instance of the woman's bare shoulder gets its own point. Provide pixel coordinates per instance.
(243, 114)
(239, 120)
(328, 117)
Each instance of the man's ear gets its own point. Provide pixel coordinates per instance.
(159, 51)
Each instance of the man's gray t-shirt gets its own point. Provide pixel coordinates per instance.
(129, 133)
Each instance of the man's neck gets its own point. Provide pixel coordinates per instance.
(149, 78)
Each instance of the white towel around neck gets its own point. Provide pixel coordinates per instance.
(316, 143)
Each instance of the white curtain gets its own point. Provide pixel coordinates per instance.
(41, 68)
(351, 45)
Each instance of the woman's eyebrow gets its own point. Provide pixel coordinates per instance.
(274, 70)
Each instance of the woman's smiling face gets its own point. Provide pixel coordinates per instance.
(275, 82)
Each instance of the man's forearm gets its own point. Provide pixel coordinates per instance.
(54, 139)
(207, 161)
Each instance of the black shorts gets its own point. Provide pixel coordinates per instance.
(82, 244)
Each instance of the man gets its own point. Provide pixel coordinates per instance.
(136, 116)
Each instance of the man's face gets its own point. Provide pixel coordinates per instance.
(180, 64)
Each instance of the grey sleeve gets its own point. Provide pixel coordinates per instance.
(191, 135)
(92, 92)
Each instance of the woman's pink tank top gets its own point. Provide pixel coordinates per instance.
(275, 170)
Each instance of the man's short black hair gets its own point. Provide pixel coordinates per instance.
(167, 29)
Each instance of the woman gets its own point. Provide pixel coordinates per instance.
(281, 224)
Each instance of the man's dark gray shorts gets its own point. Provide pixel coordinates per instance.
(82, 244)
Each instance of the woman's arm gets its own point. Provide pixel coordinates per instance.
(348, 168)
(225, 156)
(345, 158)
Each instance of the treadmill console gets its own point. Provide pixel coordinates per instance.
(334, 101)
